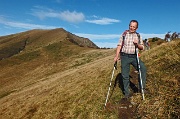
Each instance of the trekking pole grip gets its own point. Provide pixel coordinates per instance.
(115, 65)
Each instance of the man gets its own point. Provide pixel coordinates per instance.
(147, 44)
(127, 51)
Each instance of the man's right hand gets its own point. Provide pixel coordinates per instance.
(116, 59)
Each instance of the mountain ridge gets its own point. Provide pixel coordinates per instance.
(37, 38)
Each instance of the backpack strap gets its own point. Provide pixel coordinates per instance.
(123, 35)
(138, 35)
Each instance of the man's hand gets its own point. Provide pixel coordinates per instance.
(135, 42)
(116, 59)
(137, 45)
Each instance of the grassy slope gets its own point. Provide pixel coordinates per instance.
(163, 64)
(44, 69)
(52, 83)
(68, 93)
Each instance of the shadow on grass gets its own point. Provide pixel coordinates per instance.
(119, 81)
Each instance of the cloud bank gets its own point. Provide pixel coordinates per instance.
(70, 16)
(103, 21)
(111, 40)
(24, 25)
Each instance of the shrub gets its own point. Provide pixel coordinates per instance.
(155, 39)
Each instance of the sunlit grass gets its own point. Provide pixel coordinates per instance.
(163, 64)
(73, 85)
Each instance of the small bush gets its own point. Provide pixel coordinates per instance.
(155, 39)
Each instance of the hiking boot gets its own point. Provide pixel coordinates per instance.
(135, 89)
(128, 96)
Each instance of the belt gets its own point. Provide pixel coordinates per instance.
(128, 55)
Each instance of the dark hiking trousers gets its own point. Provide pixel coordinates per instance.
(126, 61)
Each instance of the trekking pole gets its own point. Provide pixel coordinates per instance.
(142, 90)
(115, 67)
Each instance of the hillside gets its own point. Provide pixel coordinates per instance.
(163, 63)
(63, 80)
(34, 39)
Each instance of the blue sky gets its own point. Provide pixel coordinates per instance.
(102, 21)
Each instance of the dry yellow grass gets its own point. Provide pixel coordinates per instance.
(74, 93)
(163, 64)
(63, 81)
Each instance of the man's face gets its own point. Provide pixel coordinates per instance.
(133, 27)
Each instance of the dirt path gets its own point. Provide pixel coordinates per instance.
(126, 109)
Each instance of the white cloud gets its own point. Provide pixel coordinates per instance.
(102, 40)
(106, 44)
(107, 40)
(98, 36)
(72, 17)
(144, 36)
(23, 25)
(115, 36)
(43, 12)
(103, 21)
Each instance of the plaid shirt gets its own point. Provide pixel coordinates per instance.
(128, 46)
